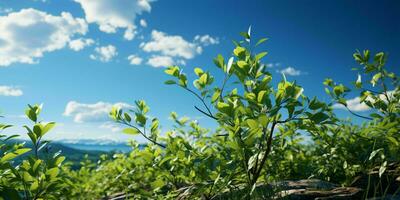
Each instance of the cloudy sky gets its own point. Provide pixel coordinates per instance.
(81, 57)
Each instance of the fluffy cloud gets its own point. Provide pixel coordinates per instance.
(111, 126)
(111, 15)
(355, 105)
(135, 60)
(10, 91)
(97, 112)
(171, 45)
(290, 71)
(160, 61)
(27, 34)
(104, 53)
(80, 43)
(164, 61)
(143, 23)
(174, 49)
(206, 40)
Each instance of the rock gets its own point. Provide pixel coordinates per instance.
(305, 184)
(315, 189)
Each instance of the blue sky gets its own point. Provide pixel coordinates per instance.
(72, 55)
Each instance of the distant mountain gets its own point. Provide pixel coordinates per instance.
(100, 145)
(91, 142)
(76, 150)
(73, 155)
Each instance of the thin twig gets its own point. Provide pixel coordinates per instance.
(355, 114)
(201, 99)
(144, 135)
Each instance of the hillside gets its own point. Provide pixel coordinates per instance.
(73, 155)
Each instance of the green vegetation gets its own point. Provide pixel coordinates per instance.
(259, 140)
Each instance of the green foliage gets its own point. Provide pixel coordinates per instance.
(346, 150)
(35, 177)
(266, 133)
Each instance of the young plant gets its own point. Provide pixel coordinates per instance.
(250, 113)
(37, 176)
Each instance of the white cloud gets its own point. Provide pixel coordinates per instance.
(97, 112)
(80, 43)
(271, 65)
(111, 126)
(160, 61)
(355, 105)
(206, 40)
(164, 61)
(130, 33)
(111, 15)
(135, 60)
(27, 34)
(291, 71)
(10, 91)
(143, 23)
(174, 49)
(104, 53)
(171, 45)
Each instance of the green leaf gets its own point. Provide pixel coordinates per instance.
(239, 51)
(261, 96)
(261, 41)
(7, 157)
(263, 119)
(219, 61)
(173, 71)
(158, 183)
(215, 96)
(131, 131)
(203, 79)
(34, 185)
(393, 140)
(375, 79)
(319, 117)
(261, 55)
(140, 119)
(127, 117)
(242, 63)
(182, 80)
(48, 127)
(253, 124)
(37, 129)
(170, 82)
(27, 177)
(373, 154)
(340, 89)
(198, 71)
(328, 82)
(53, 172)
(59, 160)
(36, 165)
(22, 151)
(224, 107)
(382, 169)
(31, 114)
